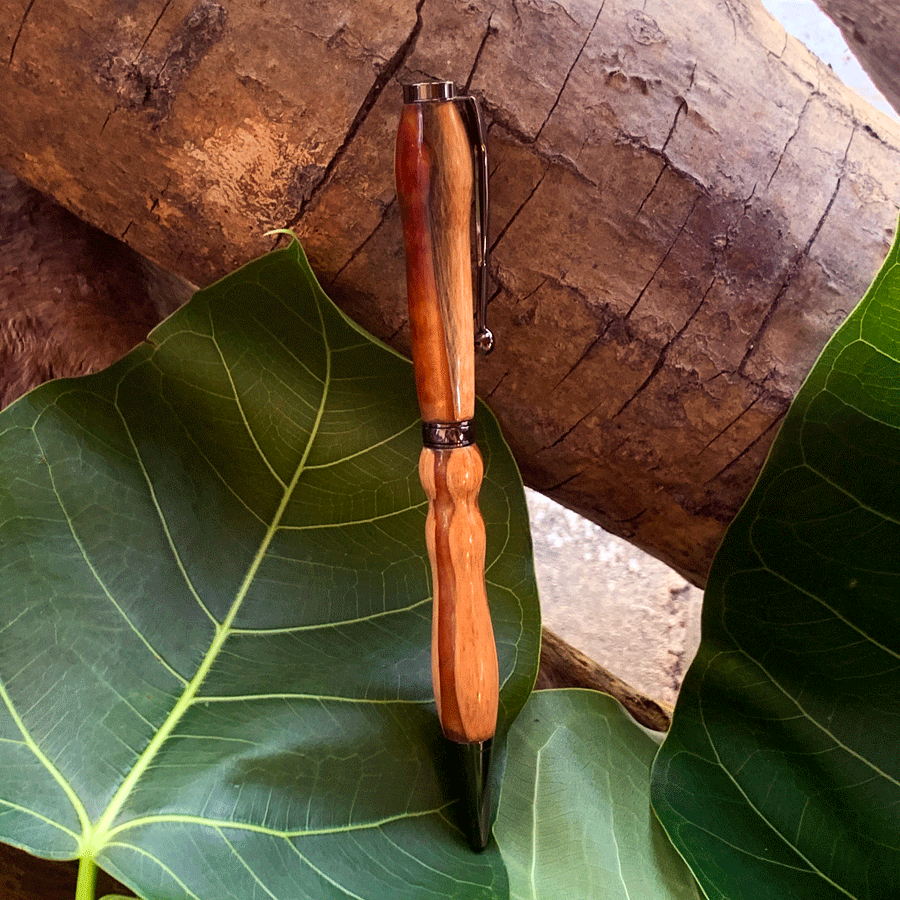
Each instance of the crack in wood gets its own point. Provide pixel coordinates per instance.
(526, 141)
(391, 67)
(796, 131)
(150, 85)
(385, 213)
(497, 385)
(731, 15)
(532, 292)
(569, 73)
(561, 484)
(520, 139)
(662, 172)
(663, 354)
(153, 27)
(12, 50)
(773, 424)
(734, 421)
(784, 45)
(682, 106)
(488, 32)
(396, 332)
(522, 206)
(666, 255)
(795, 265)
(584, 355)
(566, 433)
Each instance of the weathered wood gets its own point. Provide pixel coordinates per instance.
(72, 299)
(685, 203)
(564, 666)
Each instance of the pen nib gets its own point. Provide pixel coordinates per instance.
(474, 770)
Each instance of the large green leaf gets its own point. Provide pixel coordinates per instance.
(575, 818)
(780, 776)
(215, 612)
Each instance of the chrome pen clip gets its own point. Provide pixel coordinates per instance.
(431, 91)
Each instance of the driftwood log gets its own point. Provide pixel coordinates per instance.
(685, 203)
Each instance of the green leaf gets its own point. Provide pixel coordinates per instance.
(780, 776)
(575, 818)
(215, 612)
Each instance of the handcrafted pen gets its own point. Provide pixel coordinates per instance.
(439, 138)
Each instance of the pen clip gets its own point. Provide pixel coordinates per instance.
(441, 91)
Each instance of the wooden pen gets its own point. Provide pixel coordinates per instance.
(435, 188)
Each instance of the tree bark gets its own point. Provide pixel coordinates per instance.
(563, 666)
(685, 203)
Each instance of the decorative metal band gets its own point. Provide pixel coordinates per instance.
(429, 90)
(448, 435)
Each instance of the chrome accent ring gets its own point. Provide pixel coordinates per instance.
(425, 91)
(448, 435)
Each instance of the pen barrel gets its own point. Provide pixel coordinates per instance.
(434, 190)
(435, 193)
(463, 652)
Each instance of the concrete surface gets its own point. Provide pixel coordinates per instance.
(626, 610)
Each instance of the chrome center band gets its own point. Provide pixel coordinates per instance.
(448, 435)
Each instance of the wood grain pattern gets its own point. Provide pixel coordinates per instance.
(463, 652)
(434, 187)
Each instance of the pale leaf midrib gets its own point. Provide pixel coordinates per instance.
(282, 833)
(100, 831)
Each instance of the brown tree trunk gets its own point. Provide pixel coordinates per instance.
(685, 203)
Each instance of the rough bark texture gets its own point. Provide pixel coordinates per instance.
(871, 29)
(72, 299)
(685, 202)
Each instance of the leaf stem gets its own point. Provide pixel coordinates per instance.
(87, 878)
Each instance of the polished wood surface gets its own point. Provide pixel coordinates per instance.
(434, 189)
(463, 652)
